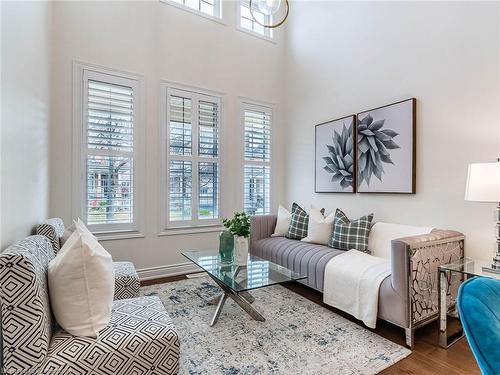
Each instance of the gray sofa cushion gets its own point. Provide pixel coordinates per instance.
(306, 258)
(311, 259)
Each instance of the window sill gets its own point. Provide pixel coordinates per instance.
(177, 231)
(118, 235)
(256, 35)
(194, 11)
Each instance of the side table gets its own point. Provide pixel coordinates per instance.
(450, 277)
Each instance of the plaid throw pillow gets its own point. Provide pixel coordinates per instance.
(348, 234)
(299, 222)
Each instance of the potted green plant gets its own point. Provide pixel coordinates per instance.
(239, 226)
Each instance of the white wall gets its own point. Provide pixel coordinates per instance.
(337, 59)
(25, 73)
(344, 58)
(160, 42)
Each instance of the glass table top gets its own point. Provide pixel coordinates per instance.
(470, 267)
(257, 273)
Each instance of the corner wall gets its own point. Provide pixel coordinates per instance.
(25, 120)
(343, 58)
(161, 42)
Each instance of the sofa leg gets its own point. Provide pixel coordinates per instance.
(410, 337)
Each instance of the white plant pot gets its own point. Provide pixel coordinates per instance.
(240, 250)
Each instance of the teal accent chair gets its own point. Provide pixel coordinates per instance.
(479, 307)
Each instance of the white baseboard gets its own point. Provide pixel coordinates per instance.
(167, 270)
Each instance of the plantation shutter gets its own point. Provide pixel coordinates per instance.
(208, 135)
(110, 150)
(208, 148)
(257, 167)
(193, 158)
(180, 126)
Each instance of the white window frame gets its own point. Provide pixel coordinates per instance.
(248, 104)
(268, 36)
(195, 225)
(82, 72)
(218, 7)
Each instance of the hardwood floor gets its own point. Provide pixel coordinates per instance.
(427, 357)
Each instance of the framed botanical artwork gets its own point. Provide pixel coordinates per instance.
(386, 149)
(335, 155)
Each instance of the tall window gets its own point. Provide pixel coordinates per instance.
(110, 117)
(193, 122)
(247, 22)
(209, 7)
(257, 159)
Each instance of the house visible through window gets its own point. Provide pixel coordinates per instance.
(247, 22)
(257, 159)
(110, 116)
(208, 7)
(193, 122)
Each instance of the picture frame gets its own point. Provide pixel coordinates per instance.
(335, 156)
(386, 149)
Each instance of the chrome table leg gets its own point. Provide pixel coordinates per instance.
(245, 305)
(222, 300)
(443, 310)
(445, 341)
(215, 300)
(243, 299)
(247, 296)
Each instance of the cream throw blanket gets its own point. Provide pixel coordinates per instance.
(352, 282)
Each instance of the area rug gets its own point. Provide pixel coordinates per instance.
(298, 336)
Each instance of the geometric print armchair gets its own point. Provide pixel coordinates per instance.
(140, 338)
(126, 279)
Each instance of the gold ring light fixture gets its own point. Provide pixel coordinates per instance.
(269, 8)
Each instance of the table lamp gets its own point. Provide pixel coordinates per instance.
(483, 185)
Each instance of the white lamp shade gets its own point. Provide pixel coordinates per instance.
(483, 182)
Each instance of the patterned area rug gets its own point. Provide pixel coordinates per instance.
(298, 336)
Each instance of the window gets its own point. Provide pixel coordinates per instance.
(108, 163)
(193, 122)
(208, 7)
(257, 159)
(248, 23)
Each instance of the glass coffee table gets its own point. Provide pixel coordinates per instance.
(236, 281)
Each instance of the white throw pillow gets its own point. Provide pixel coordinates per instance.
(382, 234)
(282, 223)
(320, 228)
(69, 231)
(81, 284)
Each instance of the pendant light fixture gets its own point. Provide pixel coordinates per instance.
(269, 8)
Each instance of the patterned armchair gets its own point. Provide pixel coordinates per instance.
(140, 339)
(126, 279)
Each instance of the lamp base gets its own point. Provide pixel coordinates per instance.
(495, 266)
(491, 270)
